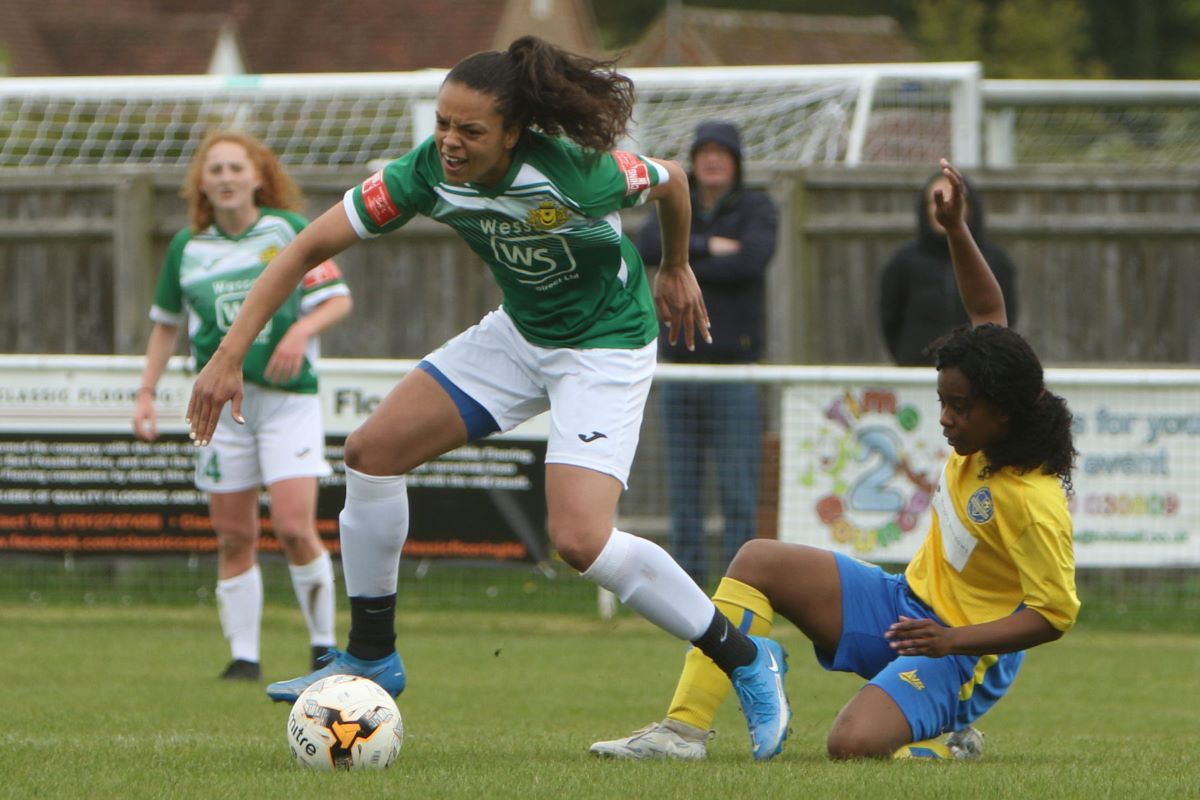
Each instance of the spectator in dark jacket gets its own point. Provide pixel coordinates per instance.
(918, 299)
(733, 238)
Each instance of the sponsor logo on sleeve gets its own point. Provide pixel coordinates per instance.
(377, 201)
(325, 272)
(636, 171)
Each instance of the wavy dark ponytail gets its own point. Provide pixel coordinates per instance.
(536, 84)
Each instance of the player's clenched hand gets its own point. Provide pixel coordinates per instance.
(950, 209)
(680, 304)
(217, 384)
(919, 637)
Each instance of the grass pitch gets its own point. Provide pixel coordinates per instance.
(124, 703)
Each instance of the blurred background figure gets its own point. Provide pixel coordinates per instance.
(918, 299)
(244, 209)
(732, 240)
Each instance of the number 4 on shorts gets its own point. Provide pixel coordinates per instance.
(213, 468)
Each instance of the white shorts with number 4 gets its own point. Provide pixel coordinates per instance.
(284, 437)
(596, 396)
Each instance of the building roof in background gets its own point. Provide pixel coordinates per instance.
(694, 37)
(169, 37)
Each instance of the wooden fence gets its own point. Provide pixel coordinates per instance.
(1108, 263)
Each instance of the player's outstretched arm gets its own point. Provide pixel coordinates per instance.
(977, 286)
(221, 379)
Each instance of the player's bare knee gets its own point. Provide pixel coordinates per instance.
(754, 562)
(233, 543)
(576, 545)
(845, 743)
(356, 452)
(293, 532)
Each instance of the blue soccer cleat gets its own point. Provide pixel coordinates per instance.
(387, 672)
(759, 687)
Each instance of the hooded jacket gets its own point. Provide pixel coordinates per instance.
(733, 285)
(918, 297)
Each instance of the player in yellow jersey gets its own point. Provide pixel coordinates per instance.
(941, 643)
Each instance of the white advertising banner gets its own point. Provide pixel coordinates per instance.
(859, 459)
(97, 394)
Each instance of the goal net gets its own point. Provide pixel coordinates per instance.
(895, 113)
(901, 114)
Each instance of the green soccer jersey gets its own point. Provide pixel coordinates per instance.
(550, 231)
(206, 276)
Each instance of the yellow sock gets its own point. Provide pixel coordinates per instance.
(702, 685)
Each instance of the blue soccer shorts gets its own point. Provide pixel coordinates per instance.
(936, 695)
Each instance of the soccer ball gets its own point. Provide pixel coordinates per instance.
(345, 722)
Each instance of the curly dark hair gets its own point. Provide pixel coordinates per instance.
(536, 84)
(1004, 370)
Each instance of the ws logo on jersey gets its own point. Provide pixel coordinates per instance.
(536, 260)
(227, 307)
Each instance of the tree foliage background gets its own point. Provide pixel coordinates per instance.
(1143, 39)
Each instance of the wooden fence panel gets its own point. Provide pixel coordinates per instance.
(1107, 263)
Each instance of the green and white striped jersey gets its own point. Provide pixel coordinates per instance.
(206, 276)
(550, 231)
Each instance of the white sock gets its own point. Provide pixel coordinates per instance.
(649, 581)
(239, 604)
(374, 527)
(313, 583)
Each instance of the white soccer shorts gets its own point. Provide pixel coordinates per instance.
(595, 396)
(284, 437)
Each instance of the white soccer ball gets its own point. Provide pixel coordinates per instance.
(345, 722)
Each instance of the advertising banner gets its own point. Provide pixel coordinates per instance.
(74, 479)
(859, 462)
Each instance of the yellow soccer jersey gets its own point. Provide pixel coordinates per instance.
(994, 544)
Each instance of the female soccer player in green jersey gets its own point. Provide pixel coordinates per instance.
(243, 209)
(941, 643)
(522, 165)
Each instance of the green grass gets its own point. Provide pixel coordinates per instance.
(123, 702)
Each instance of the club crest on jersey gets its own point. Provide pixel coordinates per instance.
(269, 253)
(979, 506)
(547, 215)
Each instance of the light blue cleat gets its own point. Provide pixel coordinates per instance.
(387, 672)
(759, 687)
